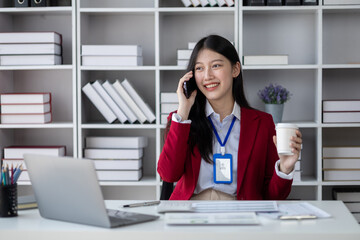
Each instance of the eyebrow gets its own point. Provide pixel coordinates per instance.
(216, 60)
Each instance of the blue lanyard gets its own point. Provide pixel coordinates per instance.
(222, 144)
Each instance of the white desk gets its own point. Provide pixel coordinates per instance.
(29, 225)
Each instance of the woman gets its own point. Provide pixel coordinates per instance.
(216, 146)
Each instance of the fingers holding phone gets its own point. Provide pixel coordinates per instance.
(186, 92)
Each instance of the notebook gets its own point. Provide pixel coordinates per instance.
(67, 189)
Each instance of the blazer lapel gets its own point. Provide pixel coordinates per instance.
(248, 130)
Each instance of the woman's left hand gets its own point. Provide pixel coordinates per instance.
(287, 162)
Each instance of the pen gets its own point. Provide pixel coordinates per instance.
(141, 204)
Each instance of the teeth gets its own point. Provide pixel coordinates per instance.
(211, 85)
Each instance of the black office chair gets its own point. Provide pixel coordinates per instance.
(166, 190)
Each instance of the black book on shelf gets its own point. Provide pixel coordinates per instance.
(274, 2)
(21, 3)
(292, 2)
(38, 3)
(254, 2)
(309, 2)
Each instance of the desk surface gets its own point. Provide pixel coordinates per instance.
(30, 225)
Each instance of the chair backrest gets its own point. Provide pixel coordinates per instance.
(166, 190)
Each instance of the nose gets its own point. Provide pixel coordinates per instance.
(208, 75)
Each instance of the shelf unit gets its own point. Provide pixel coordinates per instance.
(322, 43)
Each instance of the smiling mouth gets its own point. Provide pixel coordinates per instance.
(212, 85)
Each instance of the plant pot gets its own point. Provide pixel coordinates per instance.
(276, 111)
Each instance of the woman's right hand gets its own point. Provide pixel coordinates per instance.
(185, 104)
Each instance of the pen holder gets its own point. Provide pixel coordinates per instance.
(8, 201)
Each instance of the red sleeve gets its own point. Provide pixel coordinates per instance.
(171, 164)
(276, 188)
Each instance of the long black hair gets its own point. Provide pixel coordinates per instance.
(201, 133)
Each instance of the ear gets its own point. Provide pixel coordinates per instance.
(236, 70)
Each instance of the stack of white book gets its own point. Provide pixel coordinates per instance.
(169, 102)
(265, 60)
(30, 48)
(341, 2)
(183, 55)
(208, 3)
(118, 101)
(14, 156)
(25, 108)
(111, 55)
(341, 163)
(341, 111)
(116, 158)
(351, 198)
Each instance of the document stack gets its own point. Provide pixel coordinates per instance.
(30, 48)
(341, 111)
(183, 55)
(208, 3)
(25, 108)
(341, 163)
(351, 198)
(116, 158)
(14, 156)
(111, 55)
(169, 103)
(118, 101)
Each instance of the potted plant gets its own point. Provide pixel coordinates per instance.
(274, 96)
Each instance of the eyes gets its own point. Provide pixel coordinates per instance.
(213, 66)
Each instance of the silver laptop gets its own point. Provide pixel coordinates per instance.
(67, 189)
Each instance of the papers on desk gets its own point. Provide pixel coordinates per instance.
(297, 211)
(243, 218)
(217, 206)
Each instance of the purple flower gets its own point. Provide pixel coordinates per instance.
(275, 94)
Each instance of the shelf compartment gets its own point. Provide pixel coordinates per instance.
(193, 27)
(341, 37)
(149, 155)
(341, 84)
(34, 137)
(58, 82)
(114, 29)
(302, 84)
(117, 4)
(142, 81)
(40, 22)
(303, 193)
(268, 33)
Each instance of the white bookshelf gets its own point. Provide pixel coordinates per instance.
(60, 80)
(322, 43)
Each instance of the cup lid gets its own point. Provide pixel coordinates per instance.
(286, 125)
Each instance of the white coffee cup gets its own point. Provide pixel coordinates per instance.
(284, 132)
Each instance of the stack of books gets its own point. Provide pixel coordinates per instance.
(111, 55)
(25, 108)
(265, 60)
(118, 101)
(30, 48)
(169, 102)
(14, 156)
(341, 163)
(351, 199)
(183, 55)
(208, 3)
(341, 111)
(116, 158)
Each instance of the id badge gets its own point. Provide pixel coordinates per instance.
(223, 168)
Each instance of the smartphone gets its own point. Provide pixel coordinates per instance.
(189, 86)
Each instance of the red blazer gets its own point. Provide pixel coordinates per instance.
(257, 154)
